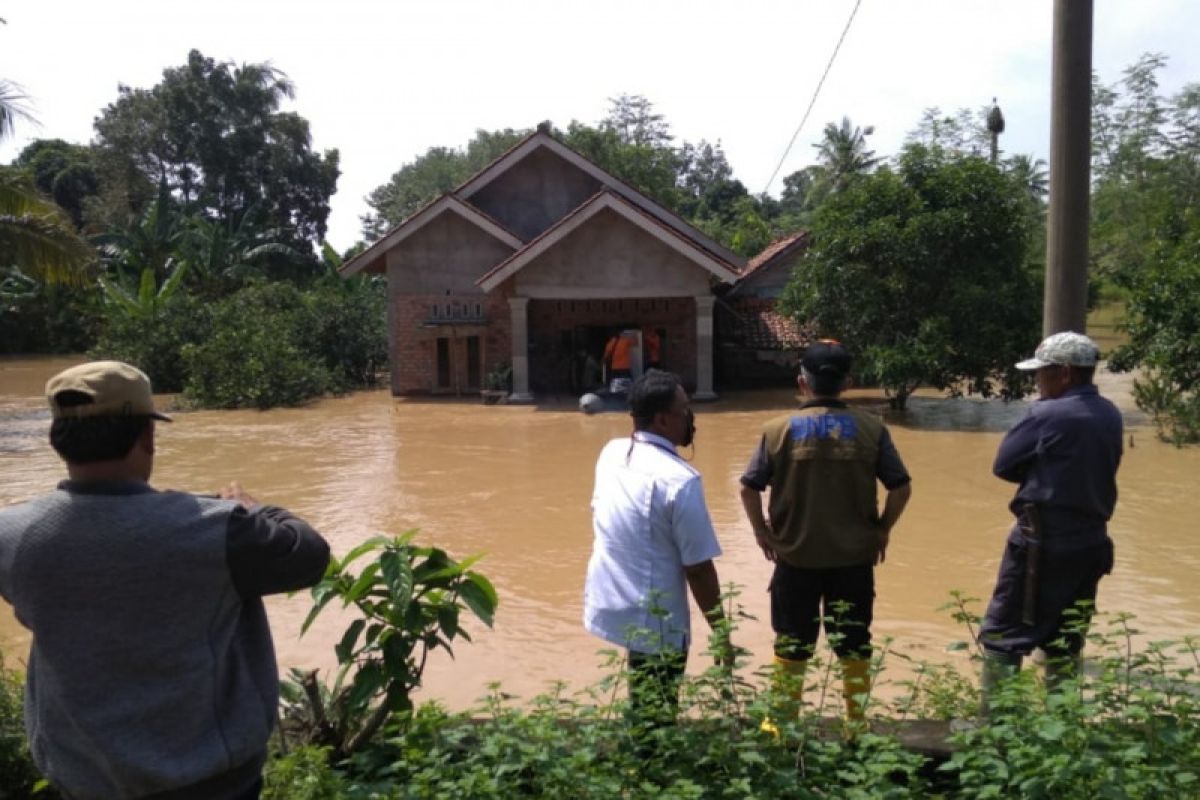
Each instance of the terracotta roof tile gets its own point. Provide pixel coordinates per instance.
(775, 249)
(756, 324)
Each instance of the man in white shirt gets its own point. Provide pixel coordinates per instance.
(653, 535)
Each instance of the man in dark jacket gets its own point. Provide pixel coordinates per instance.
(1064, 455)
(152, 672)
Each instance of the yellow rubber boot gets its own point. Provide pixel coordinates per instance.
(788, 682)
(856, 686)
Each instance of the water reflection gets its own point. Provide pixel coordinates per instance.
(514, 483)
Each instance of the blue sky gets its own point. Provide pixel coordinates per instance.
(384, 81)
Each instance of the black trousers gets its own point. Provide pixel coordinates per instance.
(654, 680)
(1064, 579)
(802, 597)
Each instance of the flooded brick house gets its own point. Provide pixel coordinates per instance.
(534, 262)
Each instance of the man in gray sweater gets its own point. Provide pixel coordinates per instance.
(152, 672)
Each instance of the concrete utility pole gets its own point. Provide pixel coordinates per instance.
(1070, 169)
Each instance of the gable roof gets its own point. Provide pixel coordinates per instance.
(369, 258)
(540, 139)
(607, 199)
(777, 250)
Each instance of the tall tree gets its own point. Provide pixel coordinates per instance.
(906, 265)
(215, 133)
(63, 171)
(962, 133)
(634, 120)
(1146, 236)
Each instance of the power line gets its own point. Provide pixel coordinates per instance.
(813, 101)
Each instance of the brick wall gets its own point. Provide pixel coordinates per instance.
(413, 344)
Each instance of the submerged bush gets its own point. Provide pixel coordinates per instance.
(269, 344)
(254, 356)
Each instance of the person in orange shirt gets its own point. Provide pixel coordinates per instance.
(652, 347)
(617, 356)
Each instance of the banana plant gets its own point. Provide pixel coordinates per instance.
(148, 297)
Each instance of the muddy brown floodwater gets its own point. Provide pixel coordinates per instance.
(514, 483)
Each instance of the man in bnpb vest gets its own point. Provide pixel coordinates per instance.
(824, 531)
(1064, 455)
(653, 541)
(152, 672)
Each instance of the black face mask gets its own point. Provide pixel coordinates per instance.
(690, 434)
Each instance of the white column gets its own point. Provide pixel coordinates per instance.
(704, 349)
(520, 350)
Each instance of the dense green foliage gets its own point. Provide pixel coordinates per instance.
(907, 265)
(267, 344)
(39, 317)
(211, 284)
(214, 132)
(18, 775)
(1129, 728)
(1146, 237)
(64, 172)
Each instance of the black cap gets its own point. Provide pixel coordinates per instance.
(826, 357)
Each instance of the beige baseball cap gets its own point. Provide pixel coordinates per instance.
(116, 390)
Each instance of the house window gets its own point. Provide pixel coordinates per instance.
(479, 310)
(443, 363)
(434, 311)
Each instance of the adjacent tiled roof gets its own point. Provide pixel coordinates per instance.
(776, 249)
(755, 324)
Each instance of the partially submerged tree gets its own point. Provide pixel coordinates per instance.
(922, 270)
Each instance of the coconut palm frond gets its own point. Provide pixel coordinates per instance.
(36, 236)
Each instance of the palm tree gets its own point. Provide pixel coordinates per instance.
(12, 107)
(843, 153)
(1030, 173)
(36, 238)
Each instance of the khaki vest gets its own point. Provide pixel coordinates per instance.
(823, 503)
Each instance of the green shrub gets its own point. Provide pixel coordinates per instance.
(303, 774)
(19, 778)
(254, 357)
(348, 329)
(268, 344)
(154, 341)
(40, 318)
